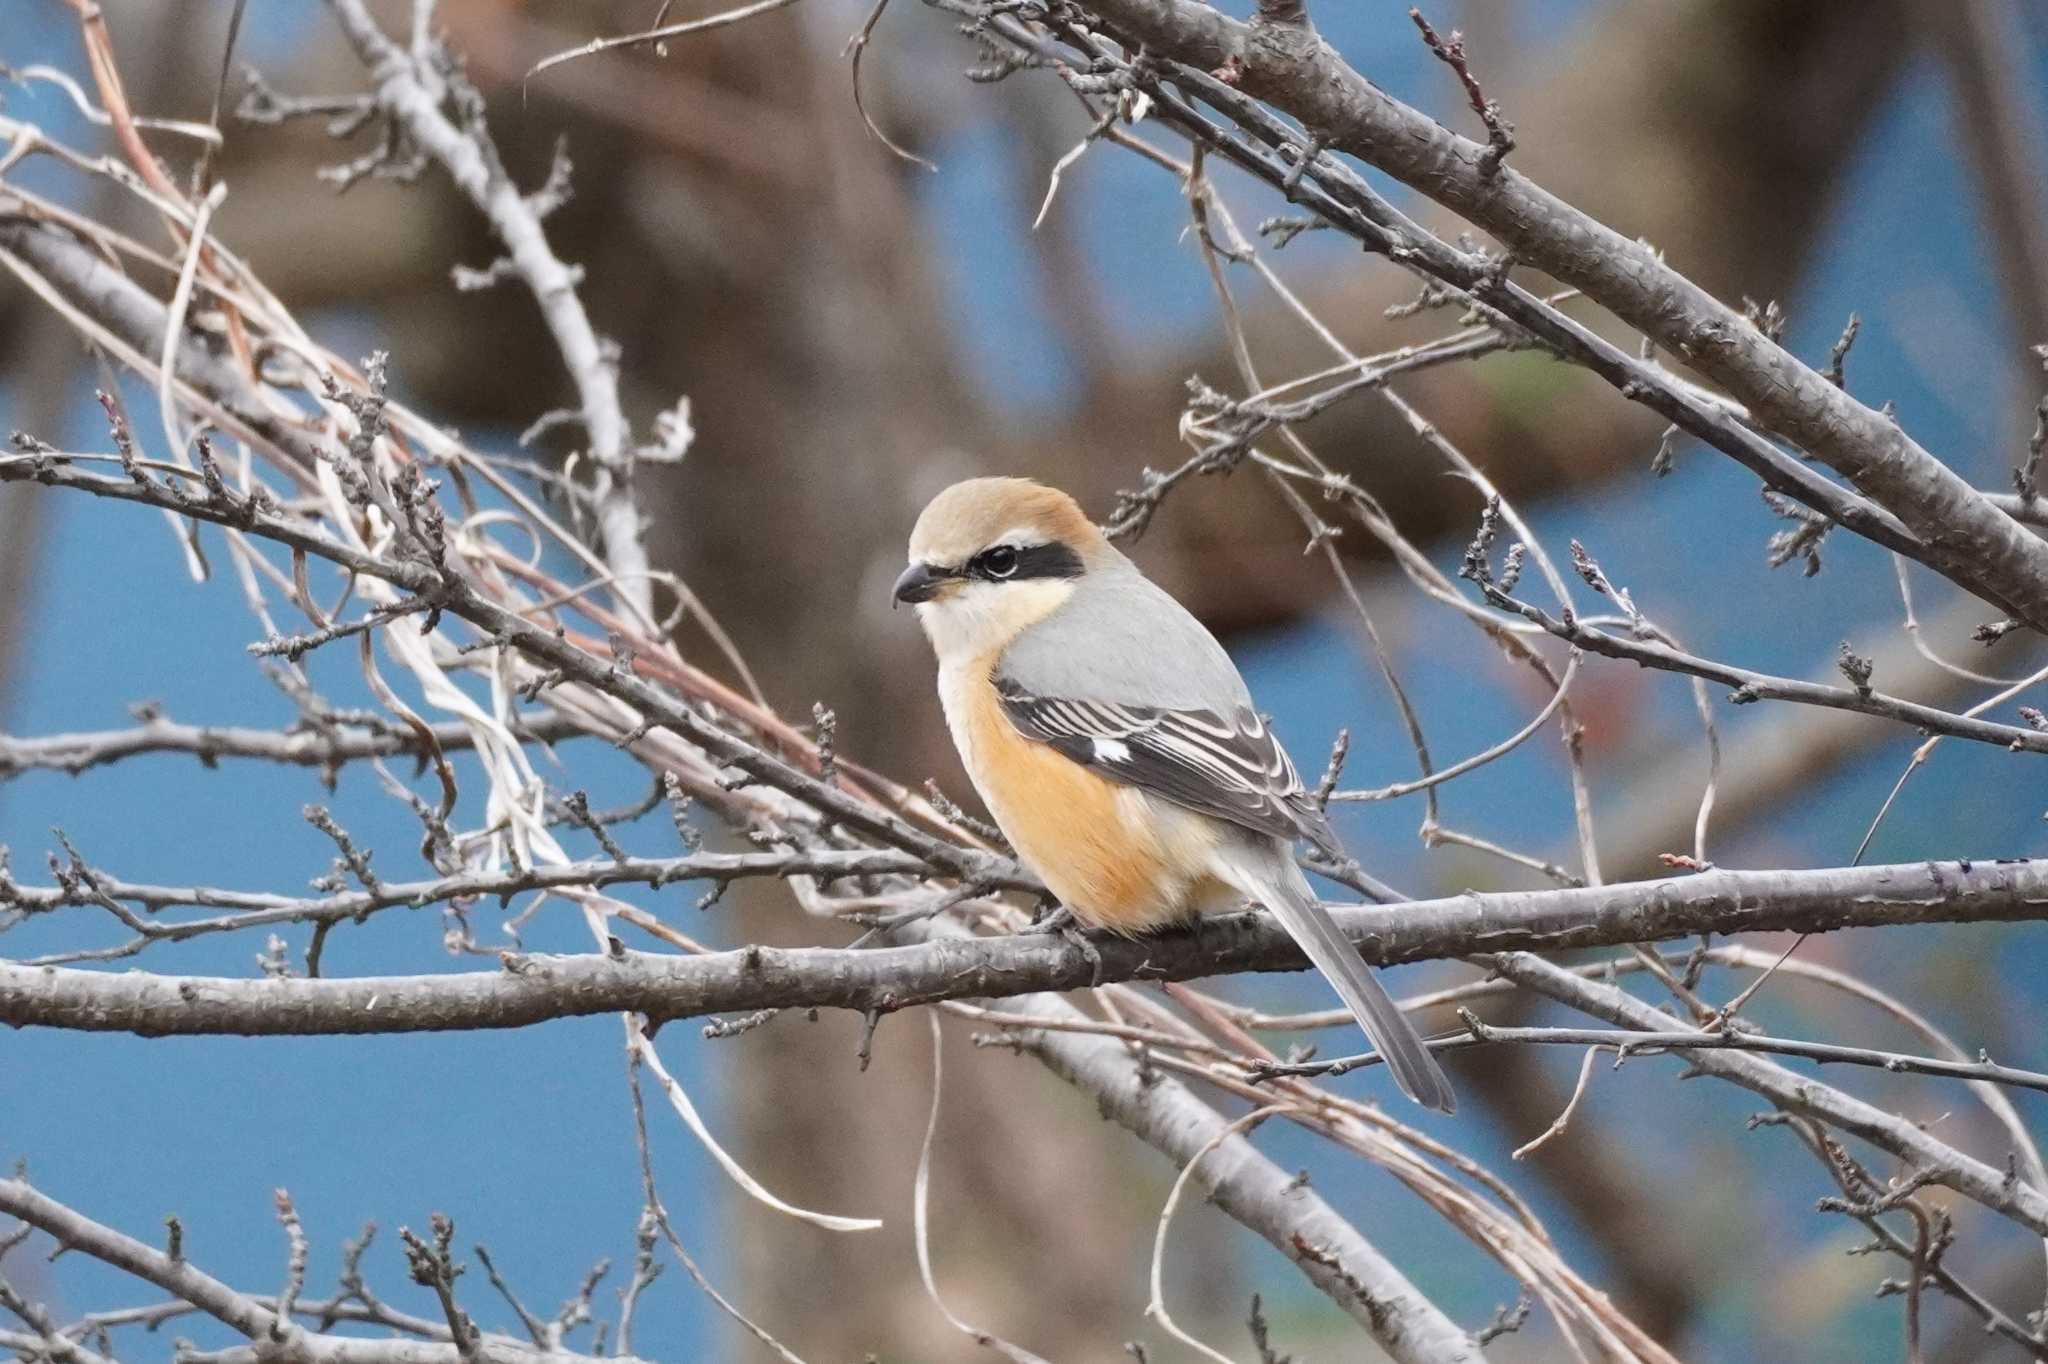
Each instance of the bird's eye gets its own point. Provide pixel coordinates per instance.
(999, 562)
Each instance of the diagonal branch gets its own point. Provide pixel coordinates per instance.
(271, 1340)
(1956, 529)
(1928, 1160)
(1249, 1187)
(458, 596)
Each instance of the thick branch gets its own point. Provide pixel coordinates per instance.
(1268, 148)
(1297, 73)
(533, 988)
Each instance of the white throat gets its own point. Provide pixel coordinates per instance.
(980, 619)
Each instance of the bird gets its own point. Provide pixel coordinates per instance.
(1115, 742)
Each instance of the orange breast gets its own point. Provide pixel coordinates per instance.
(1112, 855)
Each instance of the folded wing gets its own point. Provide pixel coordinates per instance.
(1227, 765)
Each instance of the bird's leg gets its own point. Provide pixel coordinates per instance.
(1077, 938)
(1053, 917)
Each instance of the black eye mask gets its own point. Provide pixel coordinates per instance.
(1006, 563)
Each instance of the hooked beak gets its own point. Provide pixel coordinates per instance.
(918, 583)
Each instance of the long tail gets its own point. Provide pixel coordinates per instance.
(1281, 888)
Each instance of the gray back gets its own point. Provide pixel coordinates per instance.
(1122, 639)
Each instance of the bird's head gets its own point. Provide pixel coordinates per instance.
(991, 557)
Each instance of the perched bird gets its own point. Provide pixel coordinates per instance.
(1114, 741)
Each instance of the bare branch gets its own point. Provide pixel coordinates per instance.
(514, 630)
(1754, 686)
(534, 988)
(471, 160)
(325, 747)
(1626, 1044)
(1252, 1189)
(1926, 1158)
(271, 1337)
(1922, 508)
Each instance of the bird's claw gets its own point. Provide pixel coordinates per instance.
(1078, 940)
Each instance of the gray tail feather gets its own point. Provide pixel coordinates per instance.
(1294, 904)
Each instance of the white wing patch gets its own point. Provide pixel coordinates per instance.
(1112, 751)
